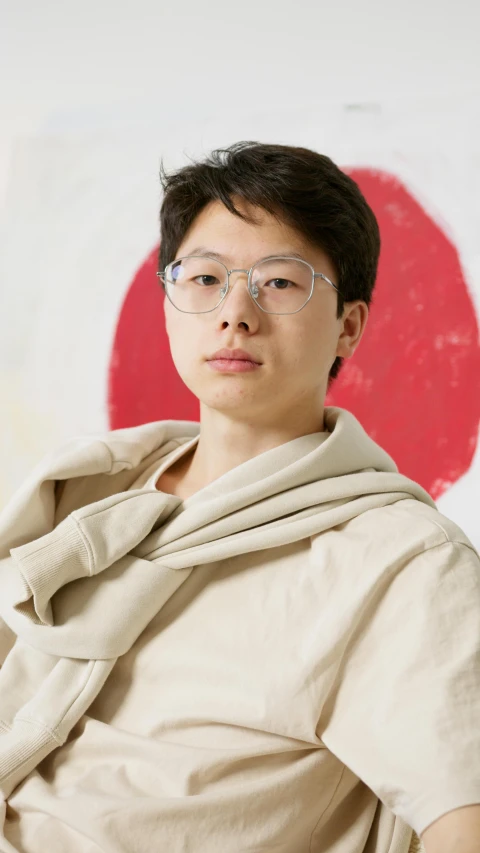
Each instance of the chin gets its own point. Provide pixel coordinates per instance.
(233, 402)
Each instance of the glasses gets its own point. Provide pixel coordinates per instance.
(198, 284)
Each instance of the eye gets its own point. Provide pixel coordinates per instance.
(206, 279)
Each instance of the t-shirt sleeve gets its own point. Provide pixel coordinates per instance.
(404, 711)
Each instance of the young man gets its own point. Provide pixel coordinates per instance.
(251, 633)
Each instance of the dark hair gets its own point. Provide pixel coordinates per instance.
(304, 189)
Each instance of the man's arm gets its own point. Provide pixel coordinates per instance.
(457, 831)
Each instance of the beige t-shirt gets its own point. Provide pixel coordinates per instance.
(213, 734)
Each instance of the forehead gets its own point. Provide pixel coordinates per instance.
(223, 233)
(239, 243)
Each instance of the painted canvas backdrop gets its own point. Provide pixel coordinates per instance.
(82, 342)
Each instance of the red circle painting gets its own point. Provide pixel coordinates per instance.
(414, 382)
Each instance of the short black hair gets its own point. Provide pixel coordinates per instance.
(301, 187)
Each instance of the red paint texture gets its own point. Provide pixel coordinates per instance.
(414, 382)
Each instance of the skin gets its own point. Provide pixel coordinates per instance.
(245, 414)
(457, 831)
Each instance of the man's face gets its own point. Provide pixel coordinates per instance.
(296, 351)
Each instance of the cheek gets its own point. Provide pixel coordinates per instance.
(310, 351)
(185, 342)
(314, 338)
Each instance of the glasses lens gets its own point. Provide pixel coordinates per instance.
(283, 284)
(194, 284)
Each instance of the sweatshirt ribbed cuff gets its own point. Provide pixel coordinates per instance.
(50, 562)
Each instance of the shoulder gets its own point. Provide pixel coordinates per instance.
(422, 524)
(385, 540)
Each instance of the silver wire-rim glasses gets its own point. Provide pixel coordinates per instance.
(252, 289)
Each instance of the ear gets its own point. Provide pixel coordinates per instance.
(352, 326)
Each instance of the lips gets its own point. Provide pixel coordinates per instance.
(233, 355)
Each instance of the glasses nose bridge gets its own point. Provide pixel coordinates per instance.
(237, 269)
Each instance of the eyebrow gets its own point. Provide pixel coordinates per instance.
(210, 253)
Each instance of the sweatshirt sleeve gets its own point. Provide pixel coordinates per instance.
(84, 544)
(37, 555)
(7, 641)
(404, 712)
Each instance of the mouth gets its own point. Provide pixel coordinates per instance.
(233, 355)
(223, 358)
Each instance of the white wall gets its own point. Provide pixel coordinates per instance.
(62, 62)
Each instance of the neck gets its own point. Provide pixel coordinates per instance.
(225, 443)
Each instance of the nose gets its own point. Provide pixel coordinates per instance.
(233, 306)
(232, 279)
